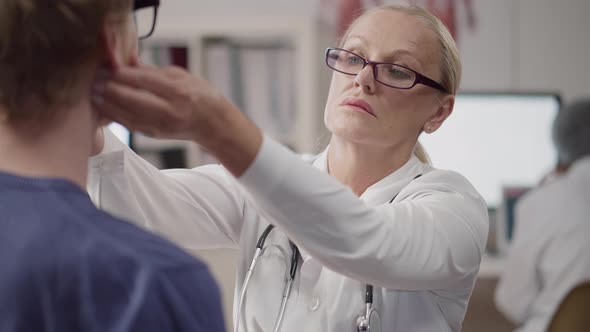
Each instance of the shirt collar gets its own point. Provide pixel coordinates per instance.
(385, 189)
(20, 182)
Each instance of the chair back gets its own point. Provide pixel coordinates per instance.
(573, 313)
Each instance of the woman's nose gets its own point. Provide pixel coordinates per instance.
(366, 79)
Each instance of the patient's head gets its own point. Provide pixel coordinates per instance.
(571, 132)
(50, 50)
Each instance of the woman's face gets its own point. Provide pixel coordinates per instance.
(396, 116)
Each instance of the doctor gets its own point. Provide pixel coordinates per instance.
(366, 229)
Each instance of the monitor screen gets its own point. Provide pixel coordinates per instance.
(121, 132)
(497, 140)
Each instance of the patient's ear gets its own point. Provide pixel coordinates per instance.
(111, 39)
(118, 38)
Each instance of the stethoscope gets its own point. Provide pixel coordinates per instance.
(286, 292)
(368, 321)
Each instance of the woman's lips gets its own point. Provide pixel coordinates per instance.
(359, 103)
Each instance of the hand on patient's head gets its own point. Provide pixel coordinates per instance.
(166, 102)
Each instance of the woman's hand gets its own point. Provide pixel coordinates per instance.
(171, 103)
(159, 102)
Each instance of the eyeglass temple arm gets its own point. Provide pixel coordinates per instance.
(153, 28)
(138, 4)
(427, 81)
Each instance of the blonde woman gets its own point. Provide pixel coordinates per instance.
(366, 229)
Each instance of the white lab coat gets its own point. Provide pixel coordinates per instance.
(550, 252)
(422, 252)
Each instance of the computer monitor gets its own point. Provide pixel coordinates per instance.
(121, 132)
(497, 140)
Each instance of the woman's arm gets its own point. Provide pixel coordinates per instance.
(431, 240)
(198, 208)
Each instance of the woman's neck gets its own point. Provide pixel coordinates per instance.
(59, 149)
(360, 166)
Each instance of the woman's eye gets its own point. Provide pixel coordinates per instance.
(398, 73)
(354, 60)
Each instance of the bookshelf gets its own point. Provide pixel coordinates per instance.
(272, 68)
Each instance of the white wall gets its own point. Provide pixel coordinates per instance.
(529, 45)
(486, 51)
(188, 10)
(518, 44)
(554, 50)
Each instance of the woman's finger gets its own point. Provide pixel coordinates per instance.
(129, 121)
(136, 105)
(175, 72)
(107, 110)
(147, 78)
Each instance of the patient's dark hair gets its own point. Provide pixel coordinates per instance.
(44, 46)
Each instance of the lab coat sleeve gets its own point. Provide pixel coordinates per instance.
(519, 284)
(546, 260)
(432, 240)
(565, 264)
(195, 208)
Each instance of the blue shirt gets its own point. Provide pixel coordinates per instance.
(67, 266)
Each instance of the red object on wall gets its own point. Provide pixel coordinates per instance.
(446, 11)
(179, 57)
(348, 10)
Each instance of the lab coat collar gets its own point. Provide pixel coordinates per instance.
(380, 192)
(321, 161)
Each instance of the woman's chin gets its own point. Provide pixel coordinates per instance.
(358, 136)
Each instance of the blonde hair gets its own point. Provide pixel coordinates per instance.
(450, 68)
(44, 46)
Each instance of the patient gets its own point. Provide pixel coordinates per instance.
(64, 265)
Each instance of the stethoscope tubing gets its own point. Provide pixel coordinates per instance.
(257, 253)
(287, 292)
(293, 270)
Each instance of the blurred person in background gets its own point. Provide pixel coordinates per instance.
(64, 265)
(550, 252)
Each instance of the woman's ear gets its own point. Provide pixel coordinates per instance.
(445, 109)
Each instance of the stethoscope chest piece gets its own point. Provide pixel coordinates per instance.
(370, 322)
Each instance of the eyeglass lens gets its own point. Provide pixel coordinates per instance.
(386, 73)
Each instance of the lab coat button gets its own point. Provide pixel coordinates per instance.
(313, 304)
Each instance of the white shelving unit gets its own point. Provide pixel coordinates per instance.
(309, 81)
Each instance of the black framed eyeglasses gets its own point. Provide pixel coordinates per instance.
(145, 13)
(389, 74)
